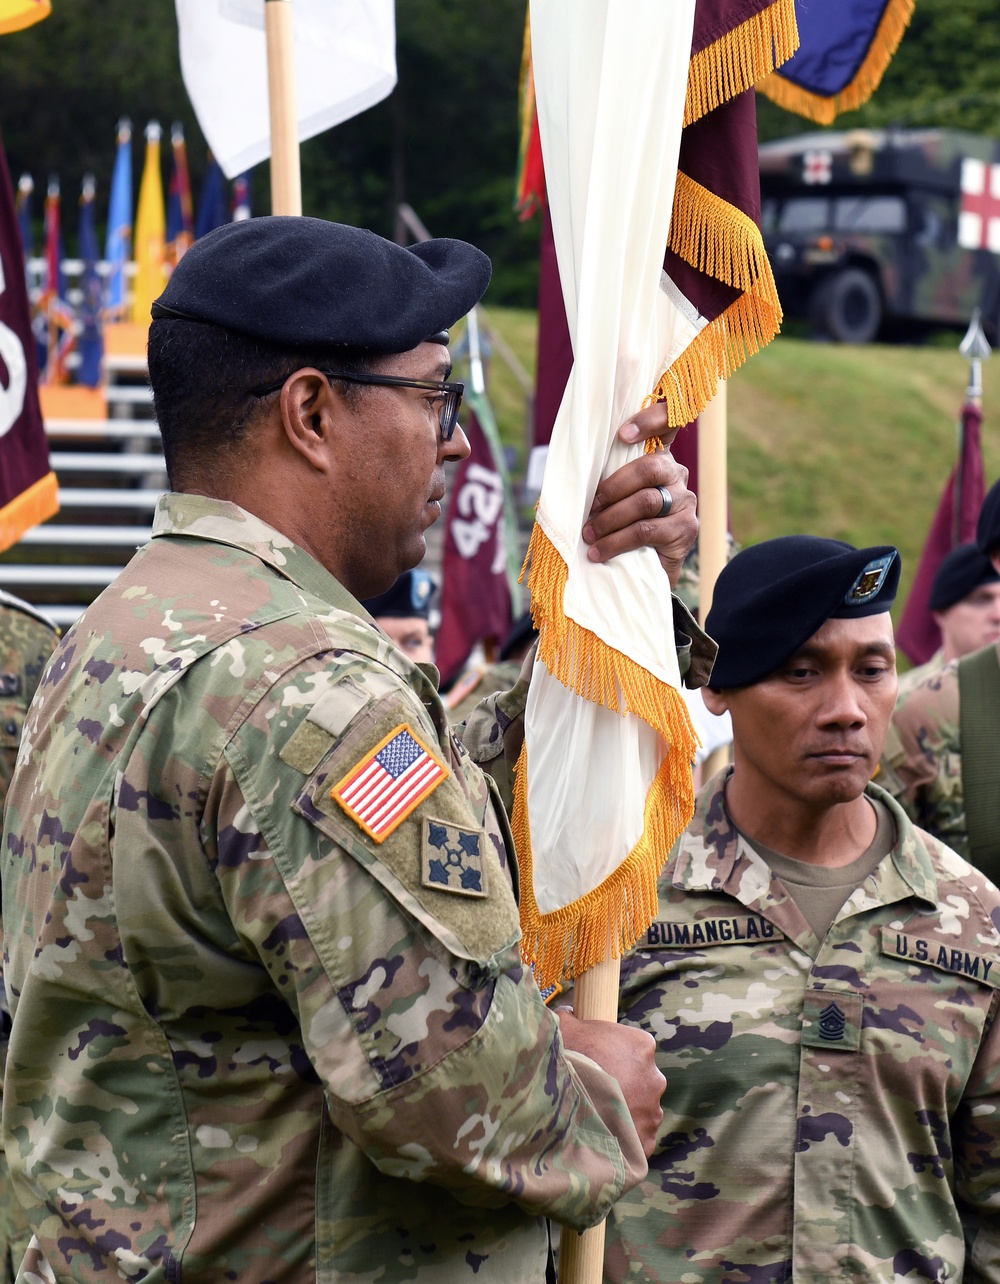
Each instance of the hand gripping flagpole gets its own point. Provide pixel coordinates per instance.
(286, 179)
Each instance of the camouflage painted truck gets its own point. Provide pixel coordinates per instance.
(871, 229)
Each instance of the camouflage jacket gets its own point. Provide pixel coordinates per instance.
(26, 642)
(913, 677)
(266, 1028)
(832, 1108)
(922, 758)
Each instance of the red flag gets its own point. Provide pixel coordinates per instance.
(475, 598)
(954, 523)
(28, 489)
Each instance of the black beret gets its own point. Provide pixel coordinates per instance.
(960, 574)
(410, 596)
(306, 283)
(520, 637)
(772, 597)
(988, 527)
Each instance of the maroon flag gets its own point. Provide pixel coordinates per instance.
(555, 348)
(954, 523)
(716, 207)
(475, 598)
(28, 487)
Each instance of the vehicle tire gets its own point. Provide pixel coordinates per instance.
(848, 306)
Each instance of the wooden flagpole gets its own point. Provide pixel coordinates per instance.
(286, 178)
(595, 998)
(713, 516)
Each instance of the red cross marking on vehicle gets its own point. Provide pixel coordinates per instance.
(979, 213)
(817, 167)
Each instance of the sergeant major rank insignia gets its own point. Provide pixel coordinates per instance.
(381, 790)
(452, 859)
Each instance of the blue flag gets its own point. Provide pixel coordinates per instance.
(242, 196)
(118, 251)
(213, 207)
(90, 344)
(25, 187)
(845, 48)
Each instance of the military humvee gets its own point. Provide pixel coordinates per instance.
(868, 227)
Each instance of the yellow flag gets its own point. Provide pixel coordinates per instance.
(17, 14)
(150, 232)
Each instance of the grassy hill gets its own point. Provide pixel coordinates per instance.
(854, 443)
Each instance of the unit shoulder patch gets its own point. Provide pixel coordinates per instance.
(452, 859)
(389, 782)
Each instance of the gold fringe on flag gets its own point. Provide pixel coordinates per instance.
(15, 15)
(568, 941)
(720, 240)
(824, 110)
(739, 59)
(37, 503)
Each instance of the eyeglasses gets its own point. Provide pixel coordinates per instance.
(451, 394)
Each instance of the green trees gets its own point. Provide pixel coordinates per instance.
(445, 141)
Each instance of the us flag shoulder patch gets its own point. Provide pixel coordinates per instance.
(381, 790)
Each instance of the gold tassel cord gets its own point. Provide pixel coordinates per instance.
(720, 240)
(739, 59)
(35, 504)
(824, 110)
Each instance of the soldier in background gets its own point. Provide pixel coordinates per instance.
(26, 642)
(404, 613)
(965, 603)
(821, 978)
(925, 765)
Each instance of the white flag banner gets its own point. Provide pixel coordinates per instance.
(345, 62)
(606, 770)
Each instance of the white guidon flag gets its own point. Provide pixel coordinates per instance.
(345, 62)
(606, 768)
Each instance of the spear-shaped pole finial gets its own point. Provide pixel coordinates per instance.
(976, 347)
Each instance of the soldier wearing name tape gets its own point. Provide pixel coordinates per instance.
(942, 753)
(822, 978)
(270, 1020)
(26, 642)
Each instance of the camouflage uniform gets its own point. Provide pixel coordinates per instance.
(922, 758)
(833, 1108)
(250, 1040)
(913, 677)
(26, 642)
(473, 686)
